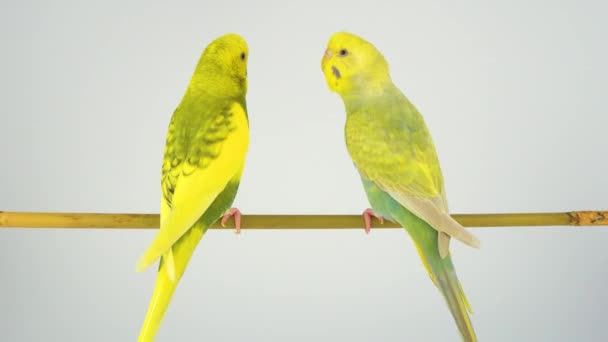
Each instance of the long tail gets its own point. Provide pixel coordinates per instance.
(441, 271)
(163, 289)
(444, 276)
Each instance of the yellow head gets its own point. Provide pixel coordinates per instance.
(351, 63)
(222, 68)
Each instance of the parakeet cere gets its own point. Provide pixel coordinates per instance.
(394, 153)
(205, 152)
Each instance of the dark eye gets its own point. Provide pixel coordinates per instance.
(242, 56)
(343, 52)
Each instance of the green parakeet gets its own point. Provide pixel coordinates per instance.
(394, 153)
(205, 151)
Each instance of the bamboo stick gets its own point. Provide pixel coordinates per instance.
(150, 221)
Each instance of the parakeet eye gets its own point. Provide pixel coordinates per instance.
(242, 56)
(343, 52)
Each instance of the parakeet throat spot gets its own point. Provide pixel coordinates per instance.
(335, 71)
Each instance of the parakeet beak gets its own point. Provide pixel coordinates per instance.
(326, 57)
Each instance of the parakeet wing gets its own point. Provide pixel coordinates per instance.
(194, 174)
(399, 156)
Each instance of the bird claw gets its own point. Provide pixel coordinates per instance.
(237, 219)
(367, 217)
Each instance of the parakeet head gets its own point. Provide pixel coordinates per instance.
(351, 63)
(223, 64)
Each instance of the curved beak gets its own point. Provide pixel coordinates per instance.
(326, 57)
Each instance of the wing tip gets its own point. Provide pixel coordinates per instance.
(470, 239)
(475, 243)
(142, 264)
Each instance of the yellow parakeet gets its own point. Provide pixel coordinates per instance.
(205, 152)
(394, 153)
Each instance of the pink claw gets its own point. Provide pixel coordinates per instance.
(237, 219)
(367, 217)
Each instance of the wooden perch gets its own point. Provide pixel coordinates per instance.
(150, 221)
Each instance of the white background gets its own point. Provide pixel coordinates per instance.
(513, 93)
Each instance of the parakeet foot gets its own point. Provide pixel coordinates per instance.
(367, 217)
(237, 219)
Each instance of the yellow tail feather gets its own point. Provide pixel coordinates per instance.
(443, 275)
(172, 267)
